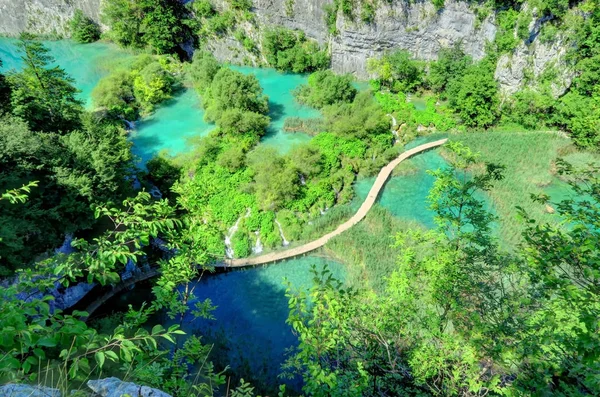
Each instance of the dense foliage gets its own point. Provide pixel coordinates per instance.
(136, 89)
(161, 25)
(459, 316)
(83, 28)
(42, 95)
(290, 50)
(77, 158)
(326, 88)
(397, 71)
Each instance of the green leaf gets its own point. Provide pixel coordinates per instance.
(47, 342)
(112, 355)
(99, 356)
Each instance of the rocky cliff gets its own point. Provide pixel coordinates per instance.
(415, 26)
(46, 17)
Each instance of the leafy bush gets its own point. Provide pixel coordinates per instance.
(162, 25)
(230, 89)
(289, 50)
(203, 8)
(397, 71)
(128, 92)
(83, 28)
(367, 13)
(243, 5)
(451, 65)
(475, 96)
(326, 88)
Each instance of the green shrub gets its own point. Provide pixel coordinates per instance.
(397, 71)
(326, 88)
(203, 8)
(367, 13)
(289, 50)
(331, 18)
(83, 28)
(475, 96)
(243, 5)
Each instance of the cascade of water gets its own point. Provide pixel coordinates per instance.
(285, 242)
(130, 125)
(228, 248)
(66, 248)
(258, 247)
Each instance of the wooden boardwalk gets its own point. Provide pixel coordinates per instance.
(382, 177)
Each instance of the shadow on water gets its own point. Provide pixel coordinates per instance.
(276, 110)
(249, 332)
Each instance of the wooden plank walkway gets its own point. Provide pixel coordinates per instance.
(382, 177)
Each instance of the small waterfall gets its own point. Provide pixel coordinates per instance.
(129, 125)
(302, 180)
(258, 247)
(66, 248)
(285, 242)
(228, 248)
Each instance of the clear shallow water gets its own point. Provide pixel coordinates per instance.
(279, 88)
(171, 127)
(405, 196)
(86, 63)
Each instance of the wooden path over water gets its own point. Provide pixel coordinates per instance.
(380, 181)
(382, 177)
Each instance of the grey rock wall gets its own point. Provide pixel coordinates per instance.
(46, 17)
(415, 26)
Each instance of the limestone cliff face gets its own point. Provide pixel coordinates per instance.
(46, 17)
(415, 26)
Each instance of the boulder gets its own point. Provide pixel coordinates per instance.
(17, 390)
(114, 387)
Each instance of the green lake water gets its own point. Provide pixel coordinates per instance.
(279, 88)
(171, 127)
(86, 63)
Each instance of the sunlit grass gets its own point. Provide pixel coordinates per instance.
(529, 158)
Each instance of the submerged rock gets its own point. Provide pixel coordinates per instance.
(115, 387)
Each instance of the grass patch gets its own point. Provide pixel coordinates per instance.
(367, 248)
(529, 159)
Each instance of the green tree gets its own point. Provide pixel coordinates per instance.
(233, 90)
(289, 50)
(451, 64)
(159, 24)
(561, 342)
(475, 96)
(43, 96)
(74, 170)
(275, 182)
(397, 71)
(4, 94)
(325, 88)
(203, 69)
(83, 28)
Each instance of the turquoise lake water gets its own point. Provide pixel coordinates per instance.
(171, 127)
(250, 316)
(86, 63)
(279, 88)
